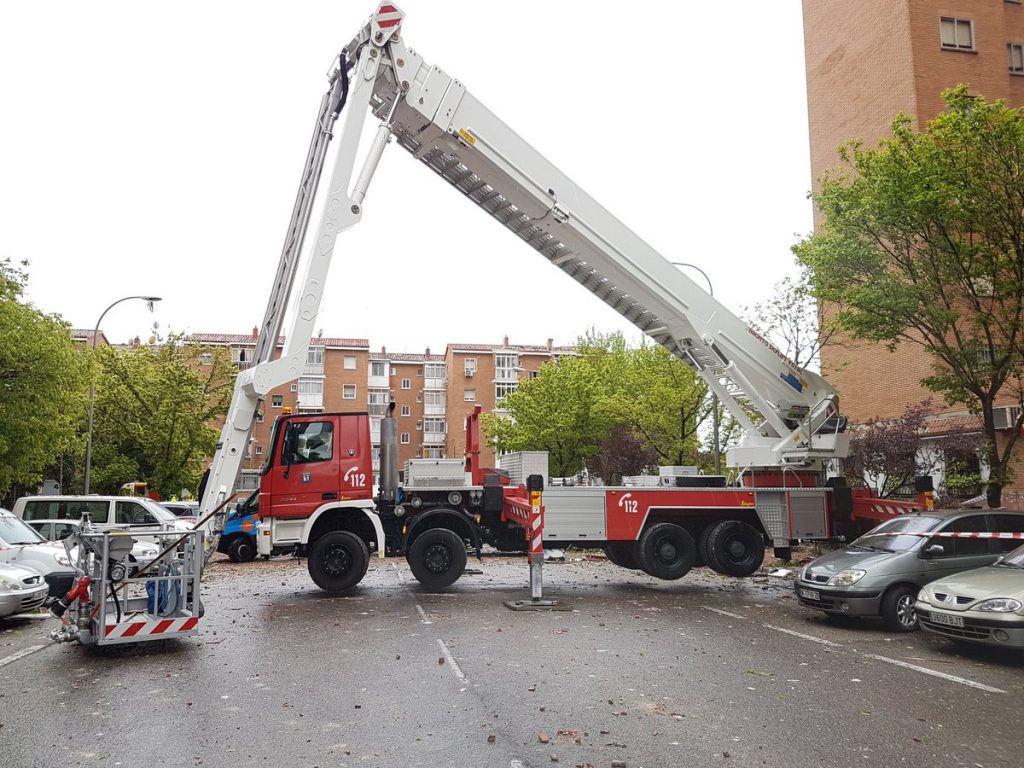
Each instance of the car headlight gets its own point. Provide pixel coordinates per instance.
(999, 605)
(62, 559)
(846, 578)
(922, 596)
(803, 572)
(9, 583)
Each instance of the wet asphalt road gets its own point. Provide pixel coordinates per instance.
(704, 671)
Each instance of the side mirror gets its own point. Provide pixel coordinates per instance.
(933, 550)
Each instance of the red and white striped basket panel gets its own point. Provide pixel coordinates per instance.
(149, 628)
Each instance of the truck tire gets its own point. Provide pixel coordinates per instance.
(437, 558)
(666, 551)
(242, 549)
(898, 608)
(622, 554)
(702, 545)
(338, 561)
(734, 548)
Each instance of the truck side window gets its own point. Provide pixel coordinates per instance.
(313, 441)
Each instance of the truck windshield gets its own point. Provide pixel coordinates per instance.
(886, 536)
(14, 531)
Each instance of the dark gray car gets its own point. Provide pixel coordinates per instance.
(881, 573)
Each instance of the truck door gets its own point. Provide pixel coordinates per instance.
(306, 472)
(354, 462)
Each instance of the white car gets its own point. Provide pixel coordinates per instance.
(21, 545)
(142, 554)
(137, 515)
(22, 589)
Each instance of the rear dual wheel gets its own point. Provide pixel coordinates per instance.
(622, 554)
(732, 547)
(666, 551)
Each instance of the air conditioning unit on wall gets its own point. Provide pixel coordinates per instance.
(1005, 417)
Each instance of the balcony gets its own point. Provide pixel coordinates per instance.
(433, 438)
(311, 400)
(313, 369)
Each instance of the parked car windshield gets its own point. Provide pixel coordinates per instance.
(14, 531)
(1014, 559)
(882, 538)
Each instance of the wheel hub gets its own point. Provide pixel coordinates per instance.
(905, 611)
(736, 549)
(667, 551)
(437, 558)
(336, 561)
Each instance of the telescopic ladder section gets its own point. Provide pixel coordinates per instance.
(784, 410)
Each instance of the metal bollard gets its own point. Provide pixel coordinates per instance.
(535, 537)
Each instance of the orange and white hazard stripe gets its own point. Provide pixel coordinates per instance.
(536, 524)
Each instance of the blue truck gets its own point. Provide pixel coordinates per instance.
(238, 541)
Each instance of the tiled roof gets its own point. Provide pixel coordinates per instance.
(249, 339)
(407, 357)
(86, 334)
(532, 349)
(952, 424)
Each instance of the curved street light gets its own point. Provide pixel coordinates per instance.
(150, 301)
(714, 395)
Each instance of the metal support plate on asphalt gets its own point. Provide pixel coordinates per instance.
(537, 605)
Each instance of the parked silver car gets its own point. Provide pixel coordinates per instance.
(139, 516)
(21, 589)
(882, 572)
(984, 606)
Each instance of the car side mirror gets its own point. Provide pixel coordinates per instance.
(933, 550)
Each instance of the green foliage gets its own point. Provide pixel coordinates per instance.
(154, 408)
(923, 243)
(573, 407)
(42, 385)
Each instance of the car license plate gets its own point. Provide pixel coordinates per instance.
(810, 594)
(949, 621)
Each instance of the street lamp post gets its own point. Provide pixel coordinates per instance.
(714, 395)
(150, 300)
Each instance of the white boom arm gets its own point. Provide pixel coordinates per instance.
(786, 412)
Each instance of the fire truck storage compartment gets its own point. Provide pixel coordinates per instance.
(574, 513)
(435, 473)
(808, 513)
(521, 464)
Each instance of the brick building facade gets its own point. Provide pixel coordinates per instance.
(432, 393)
(867, 61)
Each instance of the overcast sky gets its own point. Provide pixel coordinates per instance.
(156, 149)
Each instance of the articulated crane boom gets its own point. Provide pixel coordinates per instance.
(789, 415)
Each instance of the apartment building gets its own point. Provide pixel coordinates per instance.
(334, 379)
(433, 393)
(867, 61)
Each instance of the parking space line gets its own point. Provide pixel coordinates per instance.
(423, 614)
(724, 613)
(20, 654)
(451, 661)
(934, 673)
(812, 638)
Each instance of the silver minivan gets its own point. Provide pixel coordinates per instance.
(881, 573)
(139, 516)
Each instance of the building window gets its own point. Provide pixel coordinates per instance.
(956, 34)
(242, 358)
(505, 365)
(276, 401)
(434, 425)
(502, 390)
(434, 398)
(315, 356)
(259, 417)
(1016, 54)
(295, 387)
(469, 396)
(419, 371)
(377, 401)
(406, 384)
(419, 426)
(378, 368)
(259, 449)
(206, 358)
(470, 366)
(434, 370)
(433, 452)
(406, 410)
(350, 362)
(348, 391)
(405, 438)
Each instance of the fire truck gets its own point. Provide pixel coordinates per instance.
(316, 492)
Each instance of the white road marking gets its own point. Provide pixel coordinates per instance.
(20, 654)
(451, 661)
(886, 659)
(812, 638)
(422, 613)
(934, 673)
(724, 613)
(516, 764)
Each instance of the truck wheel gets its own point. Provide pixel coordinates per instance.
(437, 558)
(622, 554)
(338, 561)
(735, 548)
(898, 609)
(242, 550)
(666, 551)
(702, 545)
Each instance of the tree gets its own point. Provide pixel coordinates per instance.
(886, 454)
(155, 410)
(572, 406)
(42, 385)
(621, 453)
(792, 319)
(923, 243)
